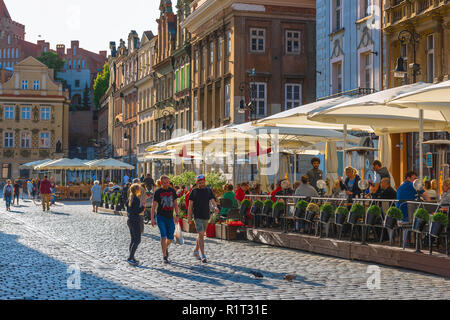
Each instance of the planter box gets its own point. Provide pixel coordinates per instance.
(233, 233)
(219, 231)
(189, 227)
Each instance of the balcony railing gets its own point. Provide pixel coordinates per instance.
(358, 92)
(423, 5)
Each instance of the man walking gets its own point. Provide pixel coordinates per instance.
(45, 191)
(149, 183)
(165, 199)
(7, 194)
(315, 174)
(199, 200)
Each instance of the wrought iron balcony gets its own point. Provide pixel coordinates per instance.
(358, 92)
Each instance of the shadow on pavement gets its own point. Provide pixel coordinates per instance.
(28, 274)
(192, 277)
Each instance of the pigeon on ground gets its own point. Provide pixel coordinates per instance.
(289, 277)
(257, 274)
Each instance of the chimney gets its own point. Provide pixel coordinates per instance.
(75, 43)
(61, 50)
(103, 54)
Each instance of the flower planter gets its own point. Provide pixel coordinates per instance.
(277, 213)
(371, 219)
(255, 210)
(390, 223)
(299, 213)
(233, 232)
(267, 210)
(325, 217)
(243, 211)
(189, 227)
(340, 219)
(436, 229)
(211, 231)
(218, 231)
(353, 218)
(419, 224)
(106, 205)
(310, 216)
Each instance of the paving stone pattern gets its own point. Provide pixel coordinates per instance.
(40, 252)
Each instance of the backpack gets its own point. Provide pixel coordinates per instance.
(8, 191)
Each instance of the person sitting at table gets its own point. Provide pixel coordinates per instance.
(406, 192)
(429, 190)
(445, 197)
(350, 185)
(241, 193)
(387, 192)
(229, 194)
(305, 189)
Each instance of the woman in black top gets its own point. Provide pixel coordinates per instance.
(351, 183)
(134, 209)
(16, 191)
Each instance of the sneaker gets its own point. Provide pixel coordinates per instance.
(204, 259)
(197, 255)
(132, 262)
(166, 260)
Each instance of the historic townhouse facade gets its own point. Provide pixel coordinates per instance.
(34, 118)
(230, 39)
(429, 22)
(146, 100)
(349, 47)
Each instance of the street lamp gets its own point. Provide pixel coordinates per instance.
(412, 38)
(251, 106)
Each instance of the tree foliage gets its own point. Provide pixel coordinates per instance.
(52, 60)
(101, 85)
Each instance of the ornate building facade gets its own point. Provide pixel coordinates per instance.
(34, 118)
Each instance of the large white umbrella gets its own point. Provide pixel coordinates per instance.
(111, 164)
(31, 165)
(63, 164)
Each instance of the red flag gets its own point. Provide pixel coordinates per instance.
(184, 154)
(259, 151)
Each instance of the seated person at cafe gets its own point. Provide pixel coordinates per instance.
(387, 192)
(229, 194)
(406, 192)
(350, 185)
(429, 190)
(275, 190)
(445, 198)
(305, 189)
(241, 192)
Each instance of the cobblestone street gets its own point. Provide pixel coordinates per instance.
(40, 251)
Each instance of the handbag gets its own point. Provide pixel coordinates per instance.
(178, 234)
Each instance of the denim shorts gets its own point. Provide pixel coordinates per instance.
(166, 227)
(201, 225)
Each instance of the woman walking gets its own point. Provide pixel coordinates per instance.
(30, 189)
(7, 194)
(96, 197)
(16, 192)
(134, 209)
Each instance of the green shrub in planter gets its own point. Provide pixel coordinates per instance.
(356, 212)
(278, 209)
(257, 207)
(326, 210)
(440, 218)
(302, 204)
(341, 215)
(311, 211)
(267, 206)
(300, 209)
(246, 203)
(421, 218)
(392, 216)
(106, 200)
(373, 213)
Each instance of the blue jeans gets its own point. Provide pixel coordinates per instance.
(8, 201)
(166, 227)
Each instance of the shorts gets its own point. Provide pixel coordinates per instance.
(166, 227)
(201, 225)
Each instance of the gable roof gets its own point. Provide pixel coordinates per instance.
(3, 10)
(30, 61)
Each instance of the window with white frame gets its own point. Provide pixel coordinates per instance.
(430, 58)
(258, 93)
(293, 93)
(9, 113)
(196, 60)
(211, 53)
(219, 49)
(24, 84)
(8, 139)
(25, 141)
(366, 70)
(337, 15)
(45, 113)
(227, 100)
(36, 85)
(337, 78)
(228, 43)
(26, 113)
(365, 8)
(293, 42)
(44, 140)
(257, 40)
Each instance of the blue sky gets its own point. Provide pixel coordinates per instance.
(93, 22)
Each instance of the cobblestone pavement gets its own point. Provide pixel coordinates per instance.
(40, 252)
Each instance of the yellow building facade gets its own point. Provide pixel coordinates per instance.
(34, 118)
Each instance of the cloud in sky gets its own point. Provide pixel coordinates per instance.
(93, 22)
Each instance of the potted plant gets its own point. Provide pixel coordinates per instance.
(372, 215)
(311, 211)
(326, 210)
(300, 209)
(356, 213)
(245, 205)
(421, 218)
(341, 215)
(439, 221)
(257, 207)
(278, 209)
(267, 209)
(393, 215)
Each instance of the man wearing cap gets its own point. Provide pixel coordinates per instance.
(199, 200)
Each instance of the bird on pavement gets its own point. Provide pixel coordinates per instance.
(289, 277)
(257, 274)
